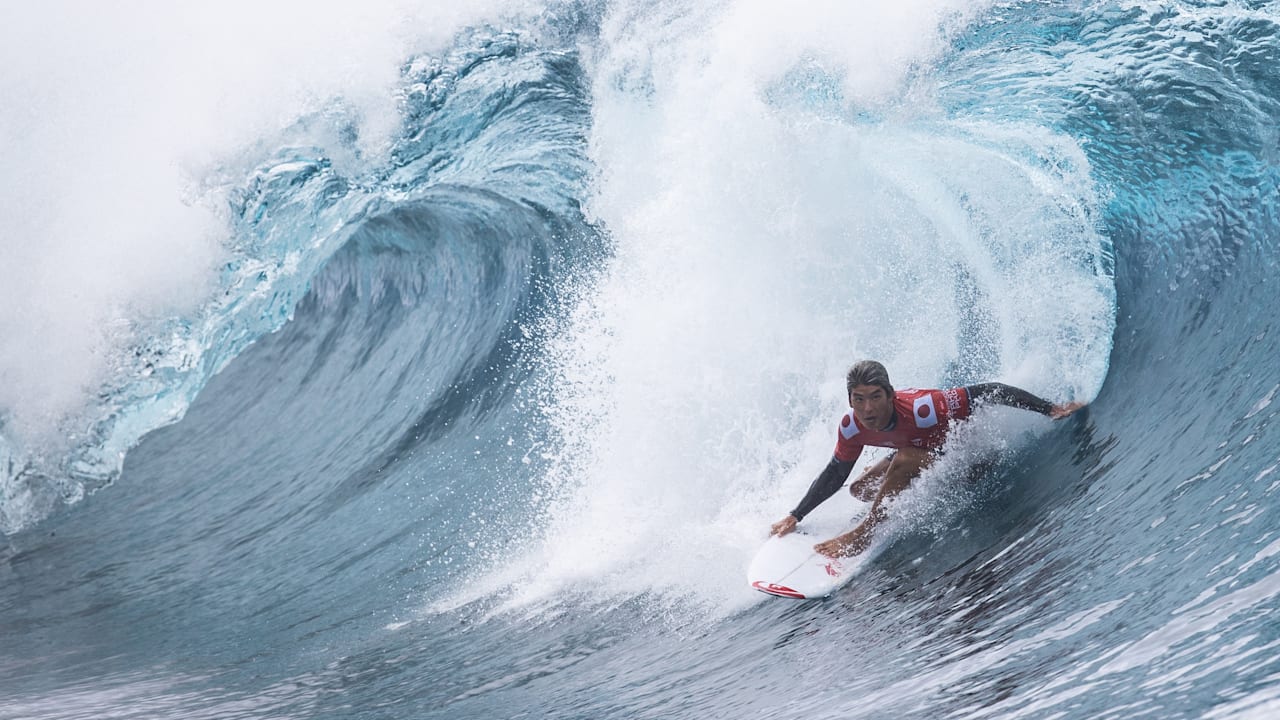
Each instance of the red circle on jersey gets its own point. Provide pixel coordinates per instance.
(923, 411)
(844, 422)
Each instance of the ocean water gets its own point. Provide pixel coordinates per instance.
(414, 362)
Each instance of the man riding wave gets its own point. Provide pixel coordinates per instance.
(915, 423)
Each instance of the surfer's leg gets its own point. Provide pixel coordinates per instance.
(868, 483)
(906, 465)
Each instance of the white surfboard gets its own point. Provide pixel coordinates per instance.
(789, 567)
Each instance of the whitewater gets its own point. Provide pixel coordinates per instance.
(407, 362)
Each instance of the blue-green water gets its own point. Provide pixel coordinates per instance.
(488, 423)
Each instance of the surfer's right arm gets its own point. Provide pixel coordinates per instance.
(823, 487)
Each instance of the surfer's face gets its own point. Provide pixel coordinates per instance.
(871, 405)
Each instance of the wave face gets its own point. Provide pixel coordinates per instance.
(488, 419)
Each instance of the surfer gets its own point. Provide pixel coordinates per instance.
(915, 424)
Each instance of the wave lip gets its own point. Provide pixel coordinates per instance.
(500, 114)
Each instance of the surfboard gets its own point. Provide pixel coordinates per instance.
(789, 567)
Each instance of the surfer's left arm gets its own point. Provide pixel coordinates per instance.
(1010, 396)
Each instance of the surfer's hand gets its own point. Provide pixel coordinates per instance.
(1061, 411)
(783, 526)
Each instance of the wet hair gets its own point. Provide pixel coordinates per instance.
(869, 372)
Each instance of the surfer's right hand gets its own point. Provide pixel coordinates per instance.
(784, 526)
(1065, 410)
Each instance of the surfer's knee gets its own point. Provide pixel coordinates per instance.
(907, 464)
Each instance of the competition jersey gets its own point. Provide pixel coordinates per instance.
(922, 418)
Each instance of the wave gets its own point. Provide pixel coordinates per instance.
(462, 152)
(760, 246)
(507, 404)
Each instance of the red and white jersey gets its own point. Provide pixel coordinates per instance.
(922, 418)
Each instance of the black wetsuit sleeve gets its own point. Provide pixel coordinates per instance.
(1002, 394)
(823, 487)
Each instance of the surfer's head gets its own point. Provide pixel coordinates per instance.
(869, 372)
(871, 394)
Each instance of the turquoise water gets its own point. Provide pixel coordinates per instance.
(488, 420)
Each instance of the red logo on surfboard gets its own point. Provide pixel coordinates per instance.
(779, 590)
